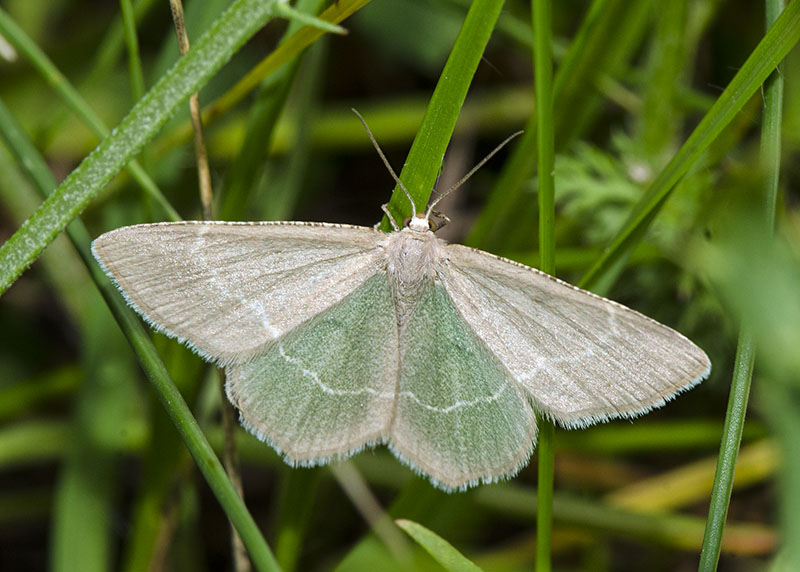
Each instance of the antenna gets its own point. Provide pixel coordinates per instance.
(386, 162)
(471, 172)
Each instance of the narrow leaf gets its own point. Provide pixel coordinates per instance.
(444, 552)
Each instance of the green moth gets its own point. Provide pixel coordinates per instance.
(335, 338)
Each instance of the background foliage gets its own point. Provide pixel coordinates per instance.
(93, 472)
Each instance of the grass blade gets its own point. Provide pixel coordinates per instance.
(426, 154)
(780, 38)
(745, 350)
(444, 552)
(212, 50)
(76, 103)
(542, 11)
(729, 451)
(605, 41)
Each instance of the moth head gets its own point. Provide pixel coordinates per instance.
(419, 223)
(432, 221)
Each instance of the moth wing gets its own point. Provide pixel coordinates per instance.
(583, 358)
(326, 389)
(229, 289)
(459, 416)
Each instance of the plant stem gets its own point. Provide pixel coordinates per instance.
(745, 351)
(543, 73)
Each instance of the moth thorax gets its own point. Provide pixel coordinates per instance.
(413, 262)
(413, 257)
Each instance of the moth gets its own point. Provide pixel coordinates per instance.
(335, 338)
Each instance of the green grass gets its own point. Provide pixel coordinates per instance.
(664, 134)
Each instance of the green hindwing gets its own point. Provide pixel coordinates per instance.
(459, 416)
(325, 389)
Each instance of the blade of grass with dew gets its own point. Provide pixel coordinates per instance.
(61, 267)
(427, 151)
(780, 38)
(444, 552)
(74, 101)
(542, 13)
(171, 398)
(212, 50)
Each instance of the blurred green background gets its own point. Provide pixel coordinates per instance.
(94, 476)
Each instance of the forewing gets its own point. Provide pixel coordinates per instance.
(459, 417)
(326, 389)
(583, 358)
(228, 289)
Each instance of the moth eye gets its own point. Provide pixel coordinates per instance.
(406, 221)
